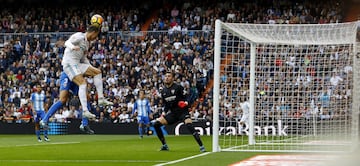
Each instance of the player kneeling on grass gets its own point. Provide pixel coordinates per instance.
(176, 109)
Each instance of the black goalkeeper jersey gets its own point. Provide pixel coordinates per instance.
(171, 96)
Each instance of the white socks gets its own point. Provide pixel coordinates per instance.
(99, 85)
(83, 97)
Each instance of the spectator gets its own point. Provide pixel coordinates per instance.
(335, 79)
(124, 117)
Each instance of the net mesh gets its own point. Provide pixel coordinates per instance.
(303, 91)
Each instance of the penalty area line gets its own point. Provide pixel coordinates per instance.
(183, 159)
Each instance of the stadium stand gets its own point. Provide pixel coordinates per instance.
(178, 37)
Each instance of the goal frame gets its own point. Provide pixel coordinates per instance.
(219, 25)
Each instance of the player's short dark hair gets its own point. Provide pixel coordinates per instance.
(92, 28)
(170, 72)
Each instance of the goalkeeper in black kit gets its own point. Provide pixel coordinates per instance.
(176, 109)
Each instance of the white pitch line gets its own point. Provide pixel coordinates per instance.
(183, 159)
(40, 144)
(84, 161)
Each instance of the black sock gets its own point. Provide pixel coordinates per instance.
(159, 132)
(194, 133)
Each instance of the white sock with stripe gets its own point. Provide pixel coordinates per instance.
(83, 97)
(99, 85)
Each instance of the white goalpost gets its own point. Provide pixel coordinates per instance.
(286, 88)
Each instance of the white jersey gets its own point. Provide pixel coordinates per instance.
(75, 57)
(245, 106)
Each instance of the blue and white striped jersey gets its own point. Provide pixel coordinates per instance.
(38, 100)
(142, 107)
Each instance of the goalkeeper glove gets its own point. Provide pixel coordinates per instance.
(182, 104)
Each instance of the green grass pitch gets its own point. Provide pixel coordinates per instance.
(111, 150)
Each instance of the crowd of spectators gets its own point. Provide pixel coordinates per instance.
(132, 63)
(201, 15)
(291, 83)
(43, 16)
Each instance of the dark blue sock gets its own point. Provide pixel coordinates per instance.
(37, 132)
(45, 133)
(85, 122)
(56, 106)
(146, 129)
(140, 131)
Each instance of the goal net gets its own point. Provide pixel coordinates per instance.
(287, 88)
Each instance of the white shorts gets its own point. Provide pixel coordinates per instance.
(72, 70)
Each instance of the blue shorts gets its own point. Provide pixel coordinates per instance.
(66, 84)
(143, 119)
(39, 116)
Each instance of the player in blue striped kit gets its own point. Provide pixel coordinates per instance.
(66, 86)
(38, 100)
(143, 112)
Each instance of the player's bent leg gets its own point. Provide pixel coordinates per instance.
(98, 82)
(80, 81)
(92, 71)
(63, 98)
(157, 125)
(191, 128)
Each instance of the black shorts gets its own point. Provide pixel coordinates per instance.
(173, 117)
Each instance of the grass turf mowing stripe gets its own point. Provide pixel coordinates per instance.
(84, 161)
(40, 144)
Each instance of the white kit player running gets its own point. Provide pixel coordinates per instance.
(75, 64)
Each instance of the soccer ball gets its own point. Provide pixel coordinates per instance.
(150, 132)
(96, 20)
